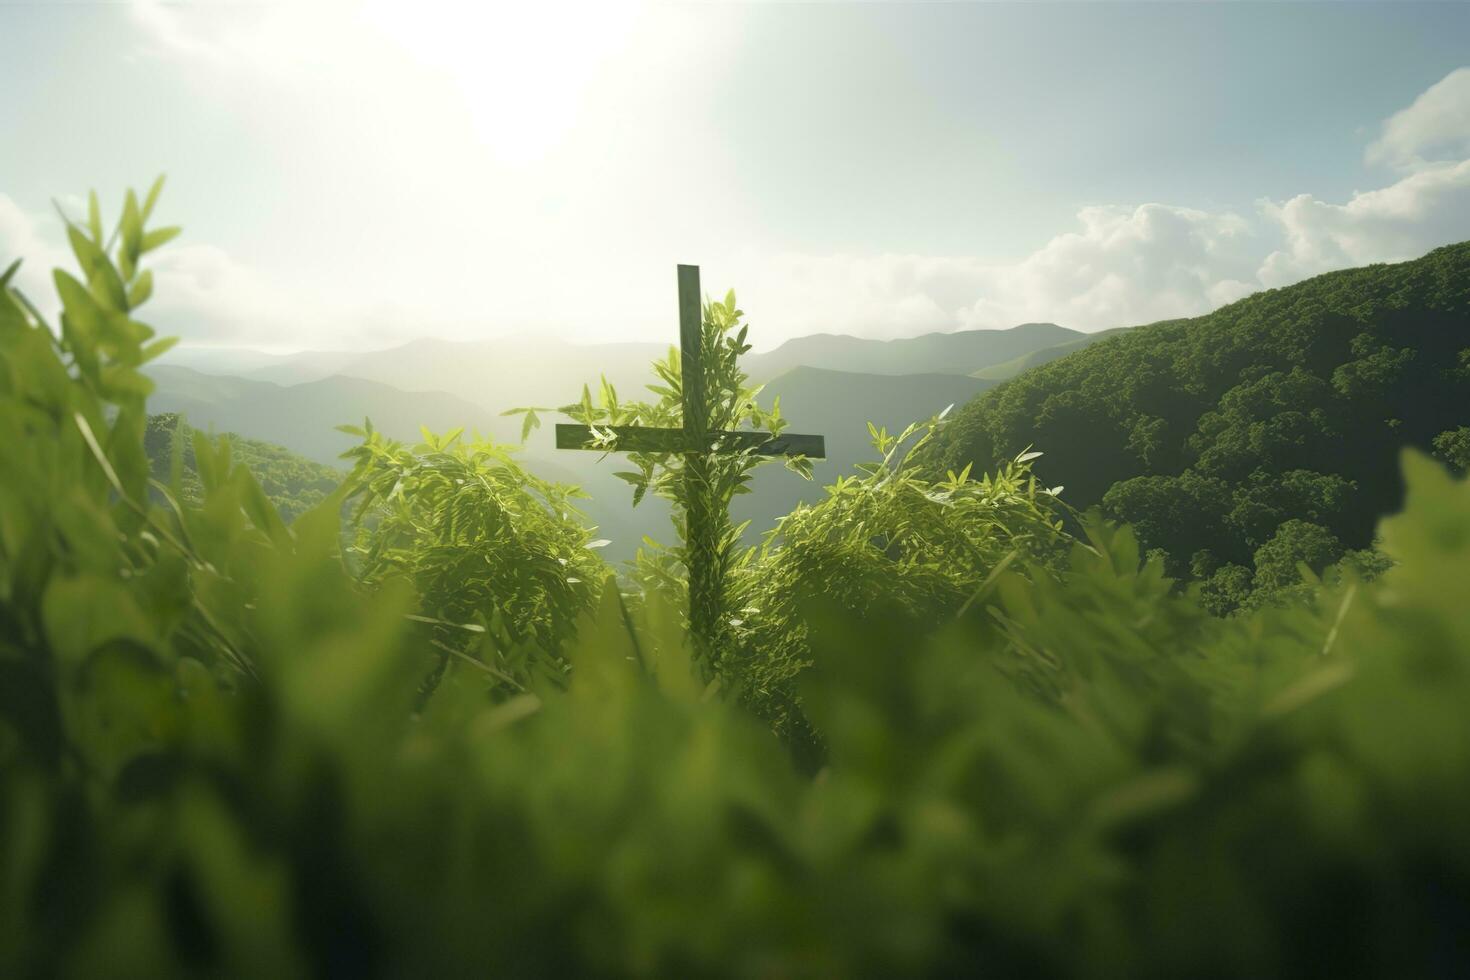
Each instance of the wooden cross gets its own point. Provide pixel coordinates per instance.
(690, 438)
(701, 542)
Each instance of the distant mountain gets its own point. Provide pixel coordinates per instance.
(961, 352)
(493, 374)
(511, 372)
(226, 360)
(1009, 369)
(839, 405)
(302, 417)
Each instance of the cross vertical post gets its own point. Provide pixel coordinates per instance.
(702, 527)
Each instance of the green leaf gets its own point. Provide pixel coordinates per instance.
(80, 309)
(132, 229)
(259, 509)
(141, 290)
(94, 218)
(159, 237)
(9, 273)
(176, 455)
(90, 438)
(158, 348)
(152, 198)
(83, 613)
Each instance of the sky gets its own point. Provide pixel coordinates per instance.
(362, 174)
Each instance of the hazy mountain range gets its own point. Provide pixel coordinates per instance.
(828, 383)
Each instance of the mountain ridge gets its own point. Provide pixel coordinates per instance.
(511, 372)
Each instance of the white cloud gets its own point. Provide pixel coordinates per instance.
(1426, 209)
(1137, 265)
(210, 298)
(265, 38)
(34, 239)
(200, 292)
(1435, 127)
(1124, 266)
(205, 295)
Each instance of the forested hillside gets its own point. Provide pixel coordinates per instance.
(293, 484)
(1262, 434)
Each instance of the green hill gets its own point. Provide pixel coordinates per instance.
(1009, 369)
(294, 484)
(960, 352)
(303, 417)
(1266, 431)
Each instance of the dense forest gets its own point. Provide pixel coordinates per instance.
(293, 484)
(1263, 434)
(936, 725)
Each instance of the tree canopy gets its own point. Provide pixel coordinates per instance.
(1213, 435)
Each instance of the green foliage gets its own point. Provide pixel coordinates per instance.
(213, 761)
(1453, 446)
(1210, 434)
(292, 483)
(1295, 543)
(889, 539)
(500, 560)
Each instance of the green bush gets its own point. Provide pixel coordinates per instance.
(500, 560)
(885, 539)
(214, 760)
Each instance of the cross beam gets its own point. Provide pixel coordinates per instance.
(647, 439)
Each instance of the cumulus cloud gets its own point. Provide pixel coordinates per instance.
(201, 292)
(1136, 265)
(1424, 210)
(209, 297)
(1123, 266)
(1435, 127)
(269, 39)
(34, 239)
(205, 294)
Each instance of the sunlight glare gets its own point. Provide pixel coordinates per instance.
(524, 70)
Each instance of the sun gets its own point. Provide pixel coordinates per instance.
(524, 70)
